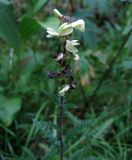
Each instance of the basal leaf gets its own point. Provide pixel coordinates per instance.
(8, 108)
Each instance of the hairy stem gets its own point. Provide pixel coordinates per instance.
(60, 123)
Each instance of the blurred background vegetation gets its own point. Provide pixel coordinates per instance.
(97, 119)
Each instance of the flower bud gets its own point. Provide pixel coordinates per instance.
(67, 71)
(68, 19)
(79, 25)
(52, 74)
(57, 13)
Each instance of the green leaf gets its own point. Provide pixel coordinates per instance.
(52, 22)
(28, 27)
(38, 5)
(103, 128)
(8, 27)
(8, 108)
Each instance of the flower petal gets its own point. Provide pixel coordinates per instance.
(76, 57)
(49, 36)
(70, 46)
(65, 29)
(51, 33)
(64, 25)
(57, 13)
(59, 57)
(79, 25)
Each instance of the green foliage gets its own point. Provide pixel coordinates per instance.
(97, 128)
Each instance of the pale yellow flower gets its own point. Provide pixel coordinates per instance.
(64, 29)
(71, 46)
(64, 90)
(79, 25)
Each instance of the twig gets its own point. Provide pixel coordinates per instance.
(60, 134)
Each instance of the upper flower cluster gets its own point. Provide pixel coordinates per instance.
(65, 28)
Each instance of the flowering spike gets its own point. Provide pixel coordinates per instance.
(64, 32)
